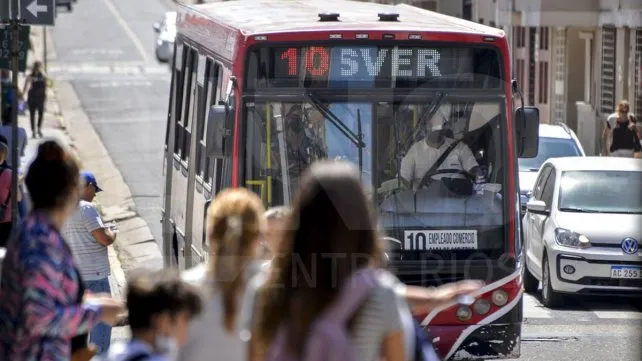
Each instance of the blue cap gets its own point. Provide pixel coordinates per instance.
(90, 179)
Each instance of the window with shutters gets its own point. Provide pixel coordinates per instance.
(543, 82)
(638, 73)
(607, 88)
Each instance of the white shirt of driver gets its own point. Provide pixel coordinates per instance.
(421, 157)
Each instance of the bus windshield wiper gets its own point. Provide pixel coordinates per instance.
(578, 210)
(356, 139)
(427, 114)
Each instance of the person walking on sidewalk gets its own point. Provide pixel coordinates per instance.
(89, 238)
(36, 84)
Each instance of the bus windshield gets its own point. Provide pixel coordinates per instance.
(443, 212)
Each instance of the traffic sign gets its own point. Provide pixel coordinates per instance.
(38, 12)
(5, 47)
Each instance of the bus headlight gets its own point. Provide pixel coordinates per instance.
(500, 297)
(482, 306)
(464, 313)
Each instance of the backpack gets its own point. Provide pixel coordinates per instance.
(328, 338)
(624, 137)
(424, 351)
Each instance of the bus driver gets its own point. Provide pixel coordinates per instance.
(423, 154)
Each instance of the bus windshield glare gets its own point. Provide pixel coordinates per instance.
(442, 214)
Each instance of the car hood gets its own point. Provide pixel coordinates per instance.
(604, 228)
(527, 181)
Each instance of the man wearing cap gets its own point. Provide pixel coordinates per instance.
(89, 238)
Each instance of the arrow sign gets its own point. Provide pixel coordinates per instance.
(38, 12)
(34, 8)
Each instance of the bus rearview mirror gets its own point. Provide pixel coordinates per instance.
(527, 129)
(218, 141)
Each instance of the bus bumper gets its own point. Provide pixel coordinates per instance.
(487, 342)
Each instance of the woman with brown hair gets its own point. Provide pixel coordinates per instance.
(42, 301)
(235, 228)
(331, 234)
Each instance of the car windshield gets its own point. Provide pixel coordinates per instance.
(549, 148)
(601, 191)
(394, 157)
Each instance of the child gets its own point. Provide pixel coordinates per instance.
(160, 307)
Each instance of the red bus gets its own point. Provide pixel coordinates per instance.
(425, 105)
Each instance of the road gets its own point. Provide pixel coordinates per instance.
(106, 49)
(102, 41)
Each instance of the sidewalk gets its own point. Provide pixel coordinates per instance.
(65, 121)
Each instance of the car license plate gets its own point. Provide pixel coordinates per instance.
(626, 272)
(440, 240)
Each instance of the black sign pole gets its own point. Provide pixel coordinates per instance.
(15, 68)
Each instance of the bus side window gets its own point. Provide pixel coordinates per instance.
(178, 95)
(188, 103)
(212, 85)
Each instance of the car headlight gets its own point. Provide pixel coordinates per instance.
(567, 238)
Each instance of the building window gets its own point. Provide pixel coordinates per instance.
(543, 38)
(520, 66)
(638, 74)
(543, 82)
(519, 34)
(467, 10)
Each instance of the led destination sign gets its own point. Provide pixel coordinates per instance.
(373, 66)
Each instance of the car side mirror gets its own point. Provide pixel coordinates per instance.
(537, 206)
(527, 129)
(219, 135)
(157, 27)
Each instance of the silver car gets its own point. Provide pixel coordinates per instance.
(582, 228)
(166, 30)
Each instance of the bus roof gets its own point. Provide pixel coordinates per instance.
(253, 17)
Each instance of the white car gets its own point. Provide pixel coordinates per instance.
(582, 228)
(166, 30)
(555, 140)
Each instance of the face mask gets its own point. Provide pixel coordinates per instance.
(168, 346)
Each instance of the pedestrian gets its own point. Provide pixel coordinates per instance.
(6, 223)
(36, 89)
(7, 131)
(160, 307)
(276, 222)
(89, 238)
(621, 136)
(235, 227)
(42, 300)
(331, 215)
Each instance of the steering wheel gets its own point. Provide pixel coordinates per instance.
(427, 179)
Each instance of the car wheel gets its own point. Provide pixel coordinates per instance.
(550, 298)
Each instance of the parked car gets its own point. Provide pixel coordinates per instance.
(555, 140)
(582, 228)
(166, 30)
